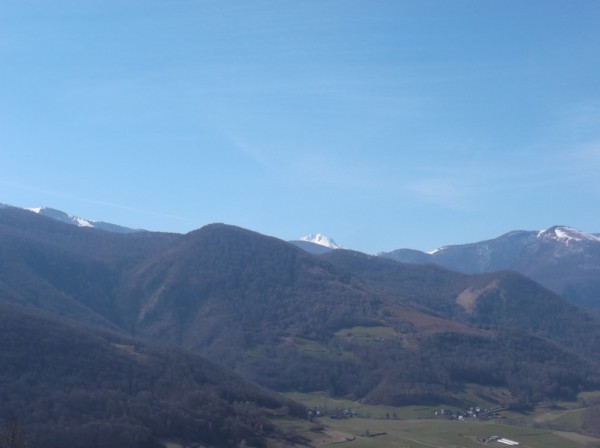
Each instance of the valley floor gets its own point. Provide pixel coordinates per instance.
(416, 427)
(369, 433)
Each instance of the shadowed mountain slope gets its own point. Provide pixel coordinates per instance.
(68, 270)
(71, 386)
(252, 277)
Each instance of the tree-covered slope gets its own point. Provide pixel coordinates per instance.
(71, 386)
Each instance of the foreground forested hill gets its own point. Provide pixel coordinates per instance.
(71, 386)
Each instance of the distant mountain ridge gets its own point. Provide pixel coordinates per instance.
(78, 221)
(561, 258)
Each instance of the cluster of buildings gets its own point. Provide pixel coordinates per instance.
(472, 412)
(338, 413)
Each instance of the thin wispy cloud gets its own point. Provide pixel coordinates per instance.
(134, 209)
(582, 120)
(62, 195)
(310, 166)
(253, 152)
(439, 191)
(461, 186)
(589, 152)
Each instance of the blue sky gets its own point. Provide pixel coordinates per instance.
(383, 124)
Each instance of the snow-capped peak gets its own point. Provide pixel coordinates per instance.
(322, 240)
(566, 235)
(62, 216)
(79, 222)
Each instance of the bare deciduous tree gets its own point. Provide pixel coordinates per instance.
(12, 435)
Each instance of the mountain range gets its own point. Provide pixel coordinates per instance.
(565, 260)
(269, 312)
(561, 258)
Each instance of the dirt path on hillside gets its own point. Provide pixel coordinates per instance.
(553, 415)
(580, 438)
(332, 436)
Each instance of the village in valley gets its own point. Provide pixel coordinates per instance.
(472, 412)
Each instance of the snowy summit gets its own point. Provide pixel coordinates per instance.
(566, 235)
(62, 216)
(322, 240)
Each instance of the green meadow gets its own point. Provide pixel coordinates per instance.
(417, 427)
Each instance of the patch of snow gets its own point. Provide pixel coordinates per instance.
(67, 218)
(322, 240)
(81, 222)
(62, 216)
(566, 235)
